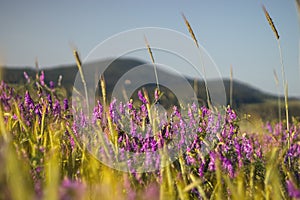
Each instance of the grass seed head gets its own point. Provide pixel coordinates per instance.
(271, 22)
(190, 29)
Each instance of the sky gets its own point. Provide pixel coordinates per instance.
(234, 33)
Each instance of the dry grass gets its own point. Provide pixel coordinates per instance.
(79, 65)
(271, 22)
(284, 80)
(203, 67)
(153, 61)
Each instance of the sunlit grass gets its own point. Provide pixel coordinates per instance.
(50, 149)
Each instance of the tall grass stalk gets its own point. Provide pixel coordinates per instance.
(153, 61)
(52, 170)
(79, 65)
(284, 80)
(285, 85)
(298, 10)
(196, 87)
(3, 132)
(202, 64)
(231, 86)
(18, 176)
(278, 95)
(36, 62)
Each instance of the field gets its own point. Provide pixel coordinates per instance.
(43, 149)
(54, 147)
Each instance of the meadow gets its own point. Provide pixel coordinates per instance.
(46, 153)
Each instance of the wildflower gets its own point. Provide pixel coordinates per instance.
(42, 78)
(269, 127)
(27, 77)
(71, 139)
(204, 111)
(228, 166)
(98, 111)
(122, 108)
(201, 168)
(130, 104)
(113, 111)
(231, 114)
(49, 98)
(247, 147)
(51, 85)
(56, 108)
(211, 164)
(66, 104)
(151, 192)
(141, 97)
(38, 110)
(71, 189)
(292, 190)
(28, 100)
(156, 94)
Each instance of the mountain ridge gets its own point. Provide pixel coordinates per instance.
(243, 93)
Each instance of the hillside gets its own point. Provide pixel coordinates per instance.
(244, 95)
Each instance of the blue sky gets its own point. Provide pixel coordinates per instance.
(232, 32)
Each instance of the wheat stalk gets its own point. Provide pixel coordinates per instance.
(197, 44)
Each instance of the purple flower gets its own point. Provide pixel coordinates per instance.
(238, 150)
(42, 78)
(141, 97)
(70, 189)
(269, 127)
(28, 100)
(228, 166)
(130, 104)
(56, 108)
(27, 77)
(51, 85)
(211, 164)
(49, 98)
(66, 104)
(98, 111)
(151, 192)
(205, 111)
(71, 139)
(231, 114)
(176, 111)
(247, 147)
(292, 190)
(156, 94)
(294, 151)
(122, 108)
(201, 168)
(113, 111)
(38, 110)
(144, 111)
